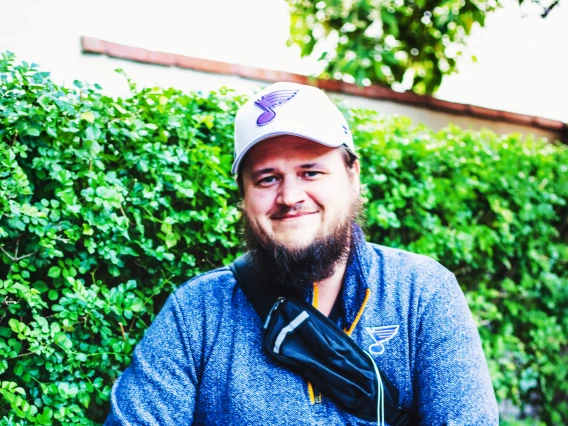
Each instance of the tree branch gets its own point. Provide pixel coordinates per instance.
(15, 258)
(548, 9)
(7, 254)
(122, 331)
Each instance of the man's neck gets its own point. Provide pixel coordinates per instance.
(329, 289)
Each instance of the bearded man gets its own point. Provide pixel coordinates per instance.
(202, 361)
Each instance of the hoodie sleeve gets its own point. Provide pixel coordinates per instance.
(454, 386)
(160, 384)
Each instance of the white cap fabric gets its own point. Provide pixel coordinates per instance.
(289, 109)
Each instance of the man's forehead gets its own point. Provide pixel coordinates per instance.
(290, 151)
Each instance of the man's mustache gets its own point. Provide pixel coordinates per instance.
(286, 210)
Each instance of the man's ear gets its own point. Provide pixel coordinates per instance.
(357, 166)
(355, 174)
(239, 179)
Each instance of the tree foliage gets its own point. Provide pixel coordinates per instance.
(105, 205)
(387, 42)
(108, 204)
(414, 42)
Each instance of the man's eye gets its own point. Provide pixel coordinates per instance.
(311, 174)
(267, 179)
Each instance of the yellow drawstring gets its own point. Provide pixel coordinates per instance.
(311, 393)
(358, 316)
(310, 386)
(316, 296)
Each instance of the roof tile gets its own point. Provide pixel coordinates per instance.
(546, 123)
(452, 107)
(93, 45)
(491, 114)
(206, 65)
(522, 119)
(126, 52)
(161, 58)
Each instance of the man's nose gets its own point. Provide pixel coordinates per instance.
(290, 193)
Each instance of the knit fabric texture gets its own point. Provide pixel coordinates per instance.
(201, 361)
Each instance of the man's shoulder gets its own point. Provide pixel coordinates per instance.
(416, 267)
(211, 285)
(404, 258)
(415, 280)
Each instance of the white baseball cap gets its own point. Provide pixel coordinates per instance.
(289, 109)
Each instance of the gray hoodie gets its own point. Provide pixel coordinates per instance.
(201, 360)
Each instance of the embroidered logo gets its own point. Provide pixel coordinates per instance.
(381, 335)
(270, 101)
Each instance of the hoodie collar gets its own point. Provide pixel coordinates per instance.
(356, 279)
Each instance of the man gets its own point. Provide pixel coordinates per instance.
(202, 362)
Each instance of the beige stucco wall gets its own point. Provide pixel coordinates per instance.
(438, 120)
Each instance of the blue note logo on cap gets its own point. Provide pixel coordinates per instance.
(270, 101)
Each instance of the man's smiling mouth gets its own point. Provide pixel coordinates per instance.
(289, 216)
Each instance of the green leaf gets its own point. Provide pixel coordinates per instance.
(54, 272)
(14, 324)
(41, 286)
(88, 116)
(85, 399)
(137, 305)
(171, 240)
(45, 417)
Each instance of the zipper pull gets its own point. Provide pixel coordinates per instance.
(278, 302)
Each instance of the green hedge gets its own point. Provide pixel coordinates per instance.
(108, 204)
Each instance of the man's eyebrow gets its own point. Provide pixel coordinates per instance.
(261, 172)
(312, 166)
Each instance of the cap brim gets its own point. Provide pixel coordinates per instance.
(237, 162)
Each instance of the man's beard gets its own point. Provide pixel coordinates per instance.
(299, 268)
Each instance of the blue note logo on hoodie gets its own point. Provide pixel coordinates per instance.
(381, 335)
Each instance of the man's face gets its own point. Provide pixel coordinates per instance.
(296, 190)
